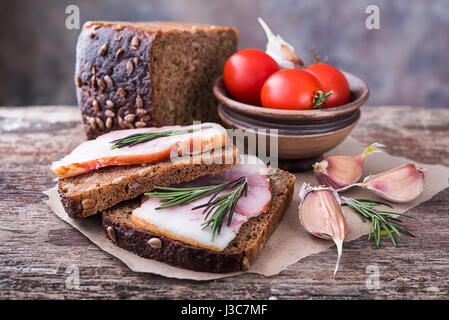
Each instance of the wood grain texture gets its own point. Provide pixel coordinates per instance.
(36, 247)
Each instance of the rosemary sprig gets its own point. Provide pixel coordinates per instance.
(137, 138)
(221, 204)
(382, 222)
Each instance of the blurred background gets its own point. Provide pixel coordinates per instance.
(406, 62)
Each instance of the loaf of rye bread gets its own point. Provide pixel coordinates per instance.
(91, 192)
(237, 256)
(133, 75)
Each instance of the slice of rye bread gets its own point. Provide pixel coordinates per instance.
(237, 256)
(149, 74)
(89, 193)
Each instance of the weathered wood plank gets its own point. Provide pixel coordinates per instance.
(36, 248)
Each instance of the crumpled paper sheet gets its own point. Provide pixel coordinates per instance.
(289, 243)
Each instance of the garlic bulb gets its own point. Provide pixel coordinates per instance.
(281, 51)
(341, 171)
(321, 215)
(401, 185)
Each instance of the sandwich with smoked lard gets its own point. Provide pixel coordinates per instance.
(105, 171)
(181, 195)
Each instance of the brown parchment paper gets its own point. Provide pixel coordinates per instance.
(289, 243)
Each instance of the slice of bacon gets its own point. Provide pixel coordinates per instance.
(94, 154)
(184, 224)
(258, 196)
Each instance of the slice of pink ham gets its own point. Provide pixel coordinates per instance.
(94, 154)
(259, 195)
(184, 224)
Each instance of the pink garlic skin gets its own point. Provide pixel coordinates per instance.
(313, 220)
(323, 179)
(339, 171)
(321, 215)
(400, 185)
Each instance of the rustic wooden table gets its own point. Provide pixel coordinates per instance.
(39, 251)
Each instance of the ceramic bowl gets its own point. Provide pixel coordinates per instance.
(302, 134)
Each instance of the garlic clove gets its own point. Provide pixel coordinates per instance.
(338, 171)
(321, 215)
(281, 51)
(342, 171)
(403, 184)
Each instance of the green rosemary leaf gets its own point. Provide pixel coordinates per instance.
(371, 230)
(374, 202)
(183, 189)
(394, 219)
(399, 214)
(405, 231)
(375, 231)
(181, 196)
(389, 234)
(392, 226)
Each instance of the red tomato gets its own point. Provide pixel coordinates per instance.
(245, 73)
(333, 80)
(292, 89)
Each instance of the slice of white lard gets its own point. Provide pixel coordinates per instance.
(184, 224)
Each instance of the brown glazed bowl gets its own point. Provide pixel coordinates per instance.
(302, 134)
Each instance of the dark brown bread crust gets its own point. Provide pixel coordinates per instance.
(239, 254)
(116, 69)
(105, 87)
(89, 193)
